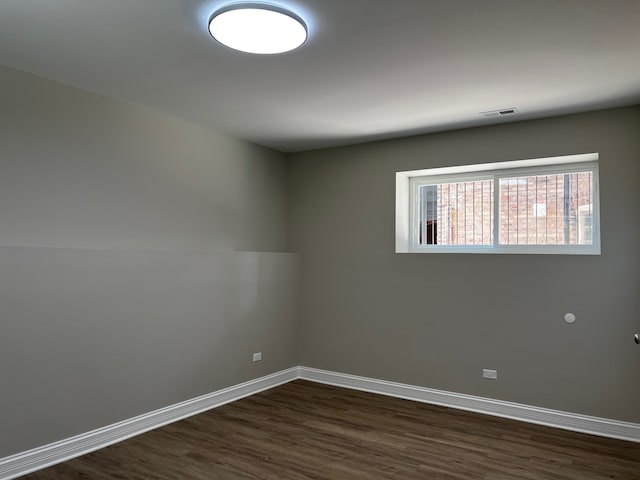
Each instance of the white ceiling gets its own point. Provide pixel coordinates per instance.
(371, 69)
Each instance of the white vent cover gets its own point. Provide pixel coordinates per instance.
(500, 113)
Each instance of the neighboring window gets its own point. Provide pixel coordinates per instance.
(527, 206)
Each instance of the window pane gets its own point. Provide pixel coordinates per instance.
(547, 209)
(459, 213)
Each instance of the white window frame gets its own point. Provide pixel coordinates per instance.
(408, 198)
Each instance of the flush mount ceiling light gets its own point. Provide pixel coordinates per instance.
(257, 28)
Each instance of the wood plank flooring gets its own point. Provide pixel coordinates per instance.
(304, 430)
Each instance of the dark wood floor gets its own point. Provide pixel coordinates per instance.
(304, 430)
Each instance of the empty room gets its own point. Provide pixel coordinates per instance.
(320, 239)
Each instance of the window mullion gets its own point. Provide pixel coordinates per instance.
(416, 215)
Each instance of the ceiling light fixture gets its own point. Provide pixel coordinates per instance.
(258, 28)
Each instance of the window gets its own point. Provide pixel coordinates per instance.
(527, 206)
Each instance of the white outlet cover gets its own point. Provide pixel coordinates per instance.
(490, 374)
(257, 357)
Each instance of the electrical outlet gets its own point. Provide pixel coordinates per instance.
(257, 357)
(490, 374)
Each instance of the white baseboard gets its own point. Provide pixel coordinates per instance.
(39, 458)
(526, 413)
(45, 456)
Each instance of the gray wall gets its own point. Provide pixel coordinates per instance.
(436, 320)
(141, 261)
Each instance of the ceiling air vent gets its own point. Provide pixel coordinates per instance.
(499, 113)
